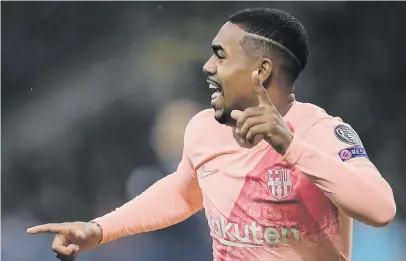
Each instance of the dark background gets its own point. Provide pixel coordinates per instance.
(95, 97)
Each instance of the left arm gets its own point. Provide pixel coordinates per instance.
(348, 178)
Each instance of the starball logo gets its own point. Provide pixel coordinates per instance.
(251, 235)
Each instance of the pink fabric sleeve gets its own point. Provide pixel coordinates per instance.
(355, 186)
(167, 202)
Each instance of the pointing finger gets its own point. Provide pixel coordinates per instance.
(260, 90)
(46, 228)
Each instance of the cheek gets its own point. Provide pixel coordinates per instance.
(235, 76)
(236, 86)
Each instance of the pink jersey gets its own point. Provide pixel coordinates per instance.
(259, 204)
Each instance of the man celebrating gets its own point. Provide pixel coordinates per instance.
(278, 179)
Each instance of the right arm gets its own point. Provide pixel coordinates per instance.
(167, 202)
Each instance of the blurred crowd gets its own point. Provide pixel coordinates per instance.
(96, 97)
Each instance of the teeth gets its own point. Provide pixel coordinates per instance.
(212, 86)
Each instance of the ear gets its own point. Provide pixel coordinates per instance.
(265, 70)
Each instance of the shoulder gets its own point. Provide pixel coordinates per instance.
(307, 118)
(200, 123)
(200, 127)
(205, 137)
(201, 118)
(316, 121)
(304, 116)
(329, 133)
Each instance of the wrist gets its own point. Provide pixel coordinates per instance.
(98, 231)
(286, 142)
(294, 151)
(281, 142)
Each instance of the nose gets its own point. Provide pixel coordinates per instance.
(210, 67)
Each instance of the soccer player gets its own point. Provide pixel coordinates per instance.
(278, 179)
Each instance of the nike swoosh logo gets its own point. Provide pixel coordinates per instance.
(204, 173)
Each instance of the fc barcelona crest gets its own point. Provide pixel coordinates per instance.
(279, 182)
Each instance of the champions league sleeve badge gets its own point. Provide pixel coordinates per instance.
(347, 135)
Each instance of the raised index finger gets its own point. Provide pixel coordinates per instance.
(48, 228)
(260, 90)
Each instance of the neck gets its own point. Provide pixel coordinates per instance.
(282, 97)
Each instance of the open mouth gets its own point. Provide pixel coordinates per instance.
(215, 88)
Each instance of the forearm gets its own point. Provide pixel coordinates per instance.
(167, 202)
(359, 191)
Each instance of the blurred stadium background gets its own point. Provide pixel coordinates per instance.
(96, 96)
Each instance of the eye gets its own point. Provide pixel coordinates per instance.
(219, 54)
